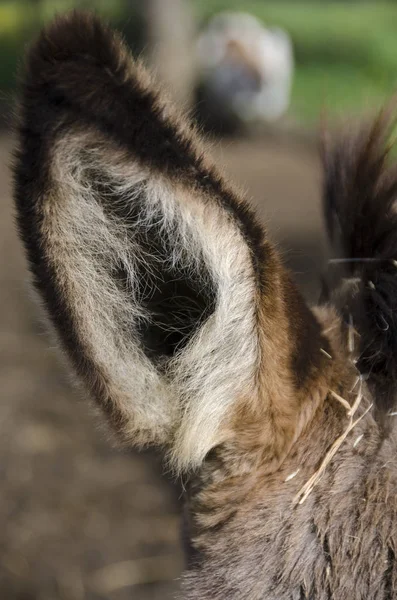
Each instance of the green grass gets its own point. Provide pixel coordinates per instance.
(346, 52)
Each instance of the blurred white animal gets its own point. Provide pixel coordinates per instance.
(246, 69)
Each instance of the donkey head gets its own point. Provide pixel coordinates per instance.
(166, 293)
(170, 301)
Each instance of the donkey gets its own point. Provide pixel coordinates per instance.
(178, 315)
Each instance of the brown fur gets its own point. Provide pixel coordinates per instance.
(94, 134)
(254, 542)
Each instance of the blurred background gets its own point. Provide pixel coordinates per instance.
(80, 519)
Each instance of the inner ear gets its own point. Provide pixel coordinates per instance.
(174, 293)
(176, 307)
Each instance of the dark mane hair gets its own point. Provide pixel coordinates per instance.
(360, 192)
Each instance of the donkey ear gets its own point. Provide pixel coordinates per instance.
(149, 265)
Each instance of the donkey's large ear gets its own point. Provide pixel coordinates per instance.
(148, 263)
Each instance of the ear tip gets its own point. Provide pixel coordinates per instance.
(72, 37)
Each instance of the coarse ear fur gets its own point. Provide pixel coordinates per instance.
(171, 303)
(360, 190)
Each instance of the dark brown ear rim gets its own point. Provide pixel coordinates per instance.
(79, 73)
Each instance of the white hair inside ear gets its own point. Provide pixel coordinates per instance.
(121, 237)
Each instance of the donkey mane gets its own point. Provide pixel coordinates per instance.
(184, 325)
(360, 189)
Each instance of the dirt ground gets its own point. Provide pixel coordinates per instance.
(79, 519)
